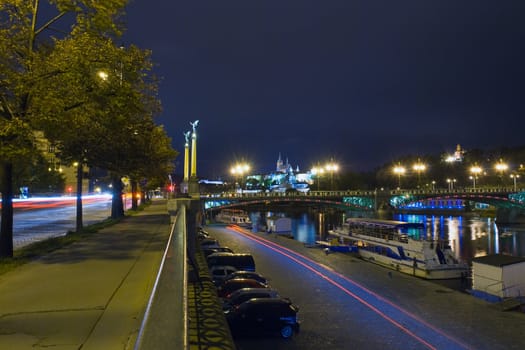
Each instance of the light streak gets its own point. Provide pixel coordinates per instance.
(300, 259)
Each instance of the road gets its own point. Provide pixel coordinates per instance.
(349, 303)
(41, 219)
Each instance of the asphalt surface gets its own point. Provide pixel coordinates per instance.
(89, 295)
(468, 322)
(93, 294)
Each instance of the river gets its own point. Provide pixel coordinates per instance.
(469, 235)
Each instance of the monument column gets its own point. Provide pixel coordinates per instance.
(184, 185)
(193, 181)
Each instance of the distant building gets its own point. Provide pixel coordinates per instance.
(55, 164)
(457, 156)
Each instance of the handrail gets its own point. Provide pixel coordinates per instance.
(169, 296)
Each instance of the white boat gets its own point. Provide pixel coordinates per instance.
(234, 216)
(402, 246)
(279, 225)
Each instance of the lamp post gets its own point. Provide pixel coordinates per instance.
(475, 171)
(399, 170)
(418, 168)
(239, 170)
(318, 171)
(331, 168)
(501, 167)
(450, 183)
(515, 177)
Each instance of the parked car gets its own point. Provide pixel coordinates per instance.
(209, 243)
(231, 286)
(210, 250)
(241, 261)
(245, 274)
(264, 315)
(218, 273)
(201, 234)
(244, 294)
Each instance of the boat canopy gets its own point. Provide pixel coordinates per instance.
(384, 224)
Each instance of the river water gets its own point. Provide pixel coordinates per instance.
(470, 236)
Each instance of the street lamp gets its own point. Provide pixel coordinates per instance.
(418, 168)
(238, 170)
(514, 177)
(102, 75)
(501, 168)
(450, 183)
(317, 171)
(332, 167)
(475, 171)
(399, 170)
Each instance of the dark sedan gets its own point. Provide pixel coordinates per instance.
(265, 315)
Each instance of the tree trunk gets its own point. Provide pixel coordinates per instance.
(80, 224)
(6, 229)
(117, 205)
(134, 192)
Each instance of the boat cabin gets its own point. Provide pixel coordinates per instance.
(498, 276)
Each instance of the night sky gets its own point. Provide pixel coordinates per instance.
(362, 82)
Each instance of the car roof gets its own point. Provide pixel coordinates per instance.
(229, 254)
(253, 290)
(245, 272)
(269, 301)
(241, 281)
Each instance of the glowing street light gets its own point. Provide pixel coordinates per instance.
(238, 170)
(475, 171)
(418, 168)
(331, 168)
(399, 170)
(514, 177)
(317, 171)
(501, 167)
(451, 183)
(103, 75)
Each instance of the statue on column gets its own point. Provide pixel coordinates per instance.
(193, 182)
(187, 136)
(194, 125)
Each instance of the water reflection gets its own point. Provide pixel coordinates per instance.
(468, 236)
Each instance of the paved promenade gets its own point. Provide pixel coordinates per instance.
(90, 295)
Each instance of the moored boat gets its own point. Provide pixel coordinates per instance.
(234, 216)
(402, 246)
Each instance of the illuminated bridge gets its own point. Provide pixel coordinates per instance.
(509, 203)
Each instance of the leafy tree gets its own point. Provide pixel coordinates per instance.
(23, 48)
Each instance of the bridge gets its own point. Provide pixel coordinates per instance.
(509, 202)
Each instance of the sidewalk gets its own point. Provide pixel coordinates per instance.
(90, 295)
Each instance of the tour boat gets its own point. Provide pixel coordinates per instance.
(402, 246)
(233, 216)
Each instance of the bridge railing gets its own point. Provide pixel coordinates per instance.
(362, 193)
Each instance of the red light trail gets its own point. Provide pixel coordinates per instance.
(429, 331)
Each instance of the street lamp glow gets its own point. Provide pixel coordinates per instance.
(514, 177)
(451, 183)
(399, 170)
(418, 168)
(238, 170)
(475, 170)
(103, 75)
(317, 171)
(501, 167)
(331, 168)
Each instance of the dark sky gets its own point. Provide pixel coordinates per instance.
(362, 81)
